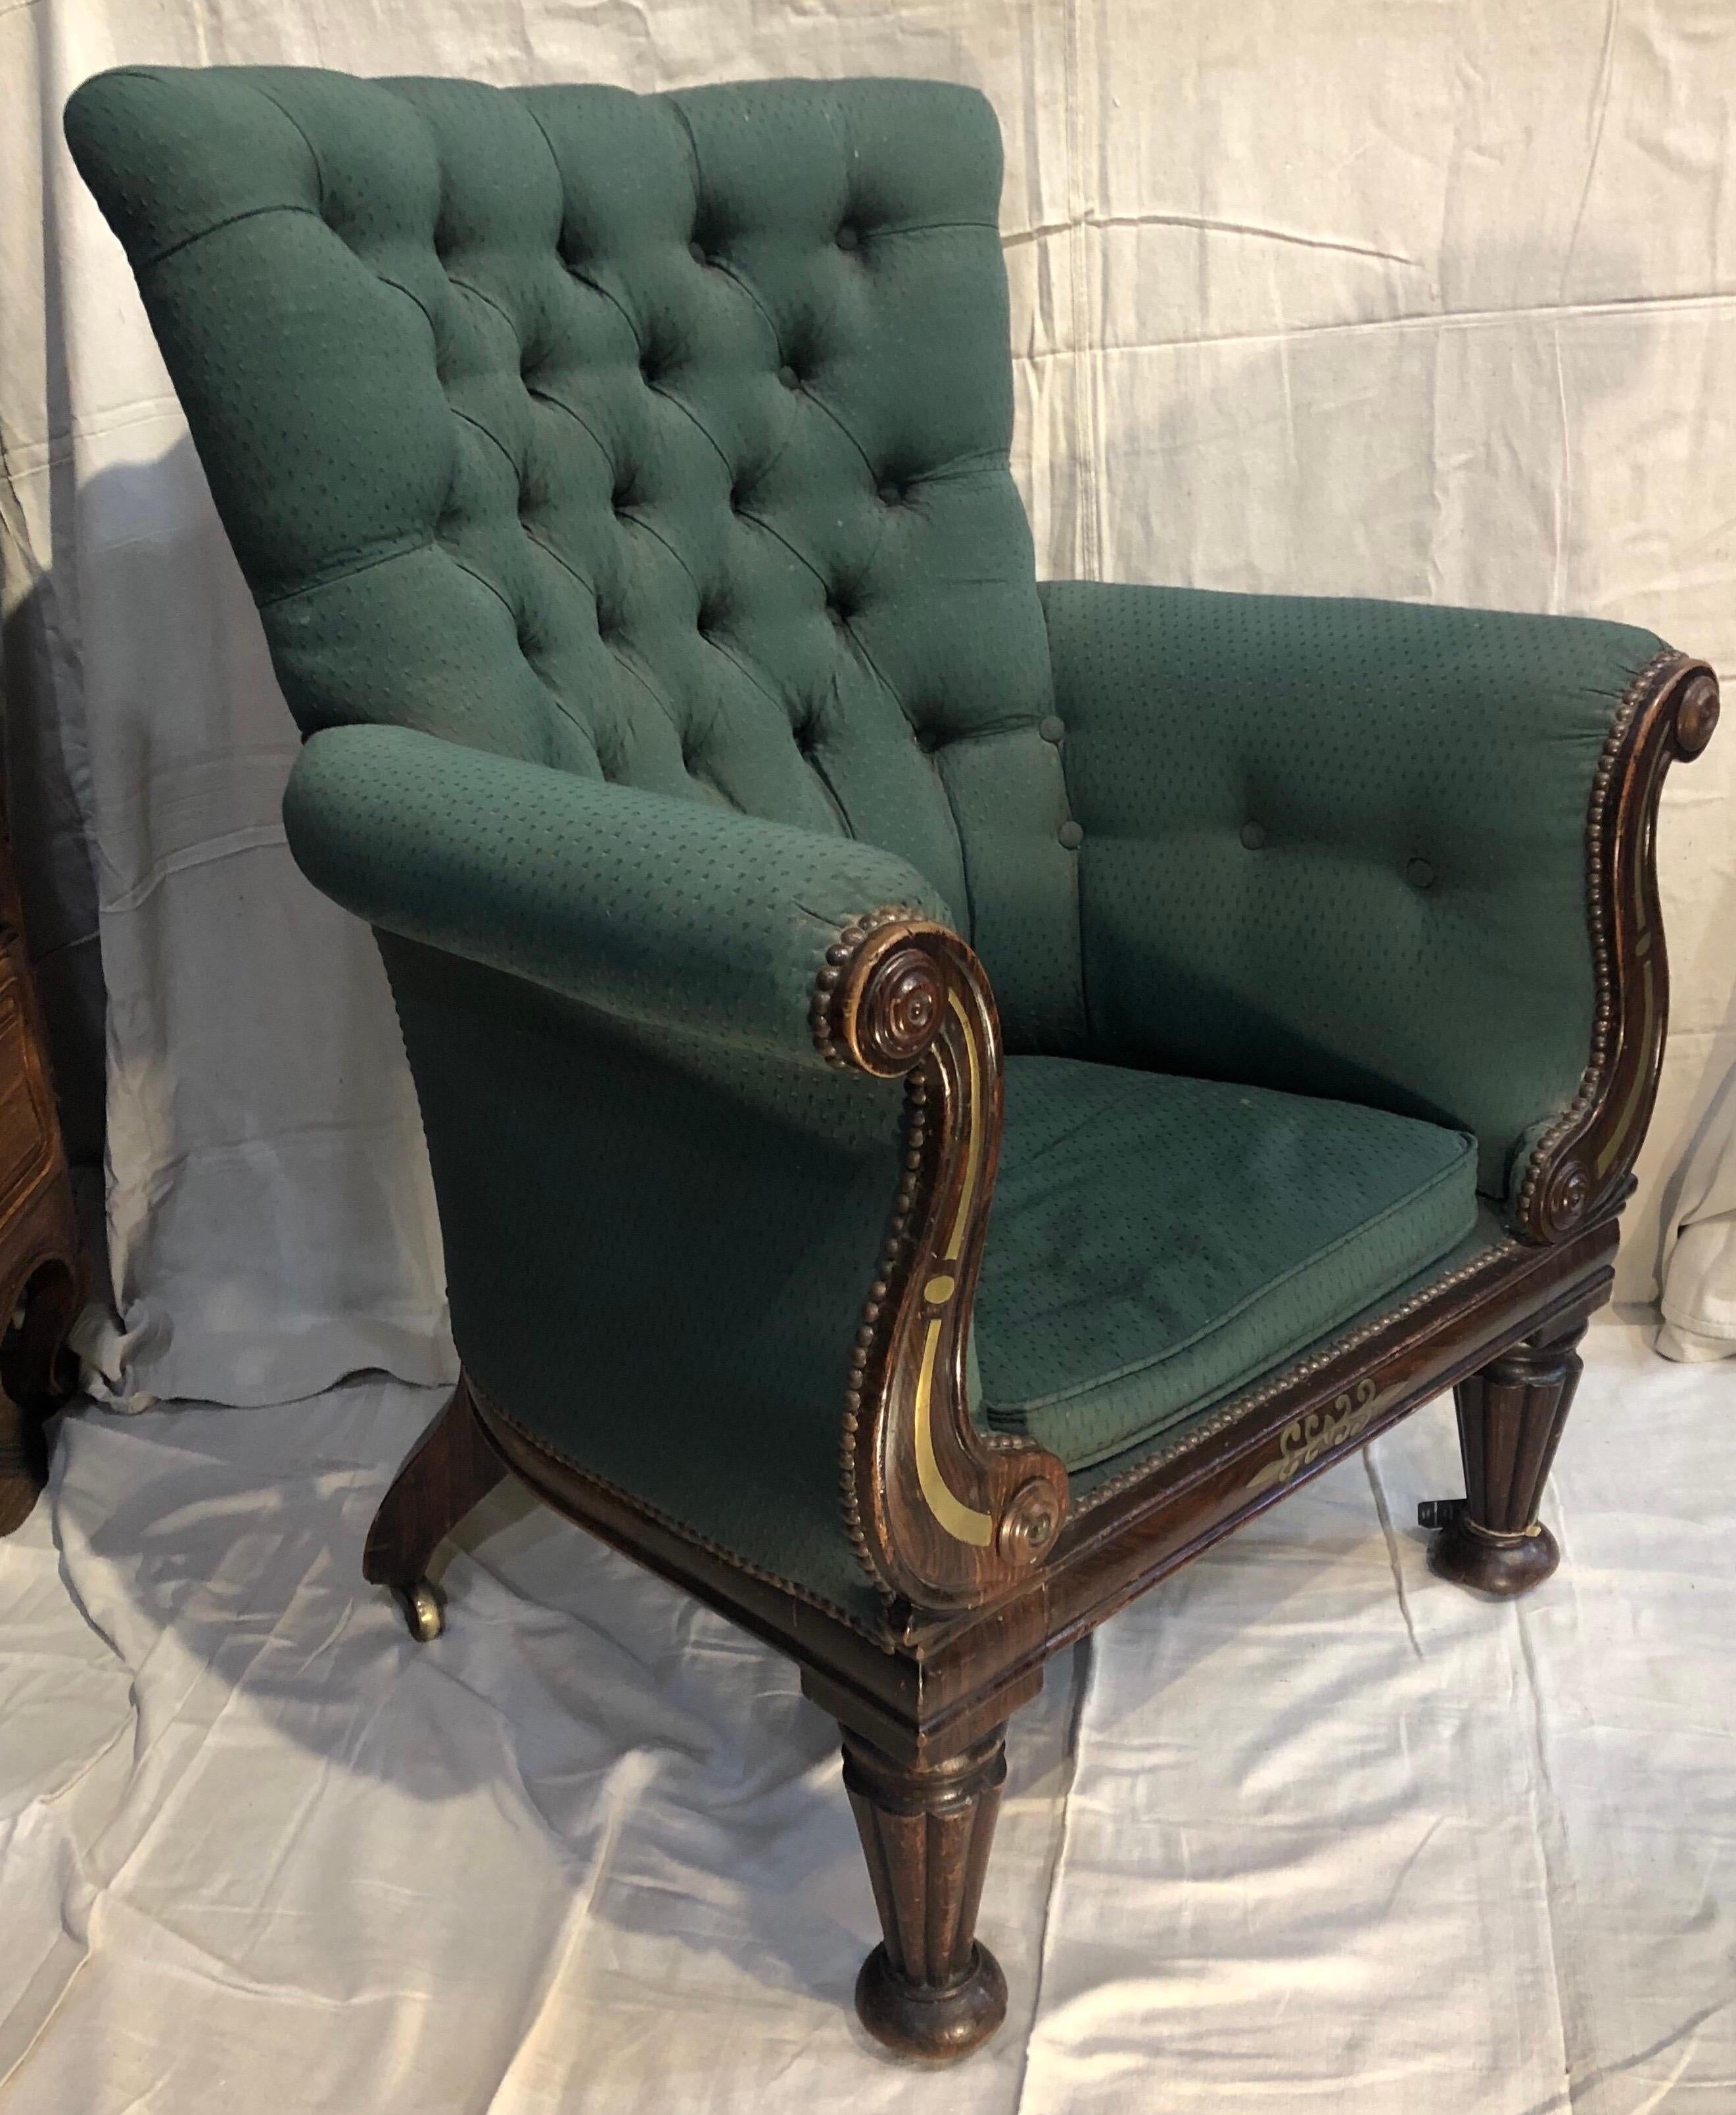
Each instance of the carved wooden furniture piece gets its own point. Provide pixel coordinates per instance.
(40, 1272)
(946, 1094)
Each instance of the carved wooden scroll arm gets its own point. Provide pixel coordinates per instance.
(943, 1514)
(1578, 1170)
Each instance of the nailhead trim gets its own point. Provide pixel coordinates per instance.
(1240, 1407)
(882, 1637)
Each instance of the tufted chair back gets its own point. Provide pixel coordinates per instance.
(657, 437)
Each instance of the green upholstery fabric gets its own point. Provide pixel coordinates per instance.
(660, 439)
(623, 482)
(659, 911)
(1158, 1242)
(657, 1248)
(1487, 1243)
(1338, 846)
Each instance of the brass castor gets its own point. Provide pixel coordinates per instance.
(424, 1610)
(935, 2025)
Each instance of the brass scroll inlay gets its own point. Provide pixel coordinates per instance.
(1620, 1131)
(960, 1520)
(973, 1144)
(1304, 1441)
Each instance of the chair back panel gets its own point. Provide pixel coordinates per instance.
(662, 438)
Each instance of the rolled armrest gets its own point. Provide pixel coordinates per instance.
(1374, 851)
(659, 911)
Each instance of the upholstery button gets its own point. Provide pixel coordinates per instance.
(788, 376)
(889, 493)
(1420, 874)
(1051, 729)
(1254, 837)
(1071, 835)
(849, 237)
(696, 250)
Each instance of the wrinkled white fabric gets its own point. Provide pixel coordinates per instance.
(1331, 295)
(1699, 1295)
(1304, 1827)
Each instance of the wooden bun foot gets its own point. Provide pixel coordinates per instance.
(934, 2026)
(1504, 1565)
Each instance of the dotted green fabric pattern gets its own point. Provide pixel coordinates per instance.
(1338, 847)
(657, 1248)
(663, 440)
(1156, 1243)
(661, 912)
(623, 482)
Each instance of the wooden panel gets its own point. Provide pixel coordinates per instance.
(27, 1128)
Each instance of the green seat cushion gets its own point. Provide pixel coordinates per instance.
(1158, 1242)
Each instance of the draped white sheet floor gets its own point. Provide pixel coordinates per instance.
(1303, 1828)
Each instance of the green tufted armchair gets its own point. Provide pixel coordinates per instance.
(944, 1093)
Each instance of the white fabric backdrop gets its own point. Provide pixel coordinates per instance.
(1331, 295)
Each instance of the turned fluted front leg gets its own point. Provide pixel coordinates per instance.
(1510, 1417)
(931, 1989)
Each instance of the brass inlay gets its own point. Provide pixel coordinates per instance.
(938, 1291)
(1309, 1438)
(1618, 1137)
(972, 1143)
(958, 1519)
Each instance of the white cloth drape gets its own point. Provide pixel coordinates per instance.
(1331, 296)
(1699, 1299)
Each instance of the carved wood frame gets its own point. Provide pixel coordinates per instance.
(987, 1565)
(970, 1619)
(947, 1517)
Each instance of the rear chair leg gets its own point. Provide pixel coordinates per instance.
(1510, 1416)
(37, 1373)
(450, 1466)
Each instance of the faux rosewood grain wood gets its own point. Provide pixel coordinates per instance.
(1580, 1167)
(450, 1467)
(944, 1516)
(929, 1989)
(1511, 1415)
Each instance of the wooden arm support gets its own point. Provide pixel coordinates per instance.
(944, 1516)
(1578, 1170)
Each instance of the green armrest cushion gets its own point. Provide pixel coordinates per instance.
(661, 911)
(1339, 847)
